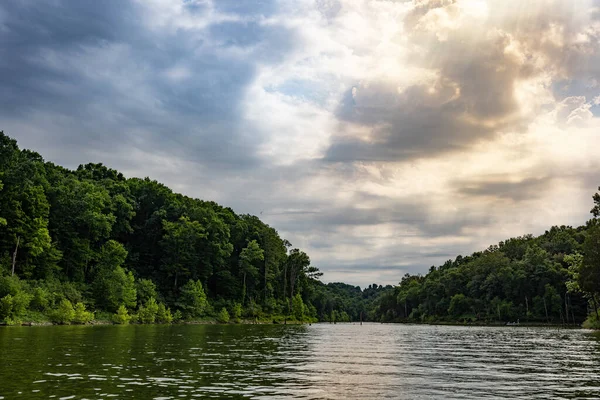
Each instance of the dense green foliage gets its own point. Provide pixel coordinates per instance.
(90, 242)
(132, 250)
(553, 278)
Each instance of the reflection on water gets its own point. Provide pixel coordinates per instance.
(320, 361)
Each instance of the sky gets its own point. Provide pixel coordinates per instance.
(381, 137)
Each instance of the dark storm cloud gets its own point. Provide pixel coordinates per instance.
(471, 101)
(407, 125)
(412, 218)
(527, 189)
(30, 27)
(106, 79)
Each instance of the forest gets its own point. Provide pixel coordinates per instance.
(89, 244)
(550, 279)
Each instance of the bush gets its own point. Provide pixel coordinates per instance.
(344, 317)
(41, 299)
(192, 300)
(298, 307)
(223, 316)
(64, 314)
(63, 290)
(177, 316)
(121, 317)
(82, 316)
(12, 322)
(9, 285)
(147, 314)
(135, 319)
(6, 306)
(115, 287)
(13, 306)
(253, 309)
(145, 290)
(236, 312)
(163, 315)
(34, 316)
(591, 322)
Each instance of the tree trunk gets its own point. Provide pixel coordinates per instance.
(595, 306)
(292, 290)
(284, 280)
(562, 318)
(572, 313)
(14, 258)
(244, 289)
(265, 280)
(566, 308)
(546, 309)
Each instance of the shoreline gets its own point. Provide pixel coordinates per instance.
(494, 325)
(294, 322)
(192, 322)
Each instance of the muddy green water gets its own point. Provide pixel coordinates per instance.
(321, 361)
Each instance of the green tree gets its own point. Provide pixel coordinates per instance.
(249, 256)
(297, 263)
(223, 316)
(81, 315)
(40, 299)
(81, 219)
(180, 247)
(298, 307)
(24, 210)
(192, 300)
(121, 317)
(460, 305)
(236, 312)
(145, 289)
(113, 285)
(163, 314)
(589, 272)
(148, 312)
(64, 314)
(13, 307)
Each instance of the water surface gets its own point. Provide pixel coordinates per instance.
(321, 361)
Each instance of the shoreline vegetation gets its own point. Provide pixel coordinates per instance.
(214, 321)
(89, 245)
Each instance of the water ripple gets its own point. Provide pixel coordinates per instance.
(321, 361)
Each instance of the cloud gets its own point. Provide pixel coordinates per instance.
(382, 137)
(108, 76)
(503, 188)
(487, 70)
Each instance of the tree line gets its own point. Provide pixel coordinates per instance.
(84, 241)
(84, 244)
(552, 278)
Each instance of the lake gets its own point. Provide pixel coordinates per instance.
(321, 361)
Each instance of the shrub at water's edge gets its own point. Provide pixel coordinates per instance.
(121, 317)
(592, 322)
(223, 316)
